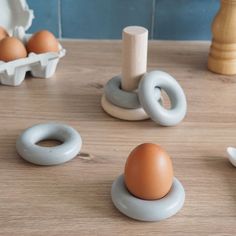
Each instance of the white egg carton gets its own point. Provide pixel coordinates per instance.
(16, 18)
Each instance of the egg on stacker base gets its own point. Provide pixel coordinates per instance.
(148, 191)
(148, 172)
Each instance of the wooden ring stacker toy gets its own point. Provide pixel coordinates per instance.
(134, 65)
(127, 98)
(222, 56)
(28, 149)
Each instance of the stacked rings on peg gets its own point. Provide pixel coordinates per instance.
(148, 97)
(28, 149)
(125, 99)
(120, 98)
(136, 94)
(148, 191)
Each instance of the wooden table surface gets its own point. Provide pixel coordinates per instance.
(74, 198)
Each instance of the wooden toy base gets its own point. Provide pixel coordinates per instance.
(122, 113)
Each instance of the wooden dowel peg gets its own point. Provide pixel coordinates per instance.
(134, 56)
(222, 57)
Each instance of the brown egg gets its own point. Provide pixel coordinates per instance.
(148, 172)
(11, 49)
(3, 33)
(42, 42)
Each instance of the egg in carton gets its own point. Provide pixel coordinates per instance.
(16, 18)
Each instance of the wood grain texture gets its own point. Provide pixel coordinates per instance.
(74, 198)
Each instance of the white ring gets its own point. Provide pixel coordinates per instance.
(154, 108)
(145, 210)
(28, 149)
(122, 113)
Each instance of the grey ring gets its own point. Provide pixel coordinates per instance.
(119, 97)
(122, 98)
(158, 113)
(28, 149)
(145, 210)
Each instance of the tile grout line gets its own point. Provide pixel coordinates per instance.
(59, 19)
(153, 18)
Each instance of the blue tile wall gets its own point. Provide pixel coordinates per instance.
(46, 15)
(104, 19)
(184, 19)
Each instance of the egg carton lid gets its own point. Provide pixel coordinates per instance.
(15, 13)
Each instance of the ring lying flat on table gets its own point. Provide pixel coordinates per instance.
(146, 210)
(28, 149)
(154, 108)
(122, 113)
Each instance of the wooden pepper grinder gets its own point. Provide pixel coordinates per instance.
(222, 56)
